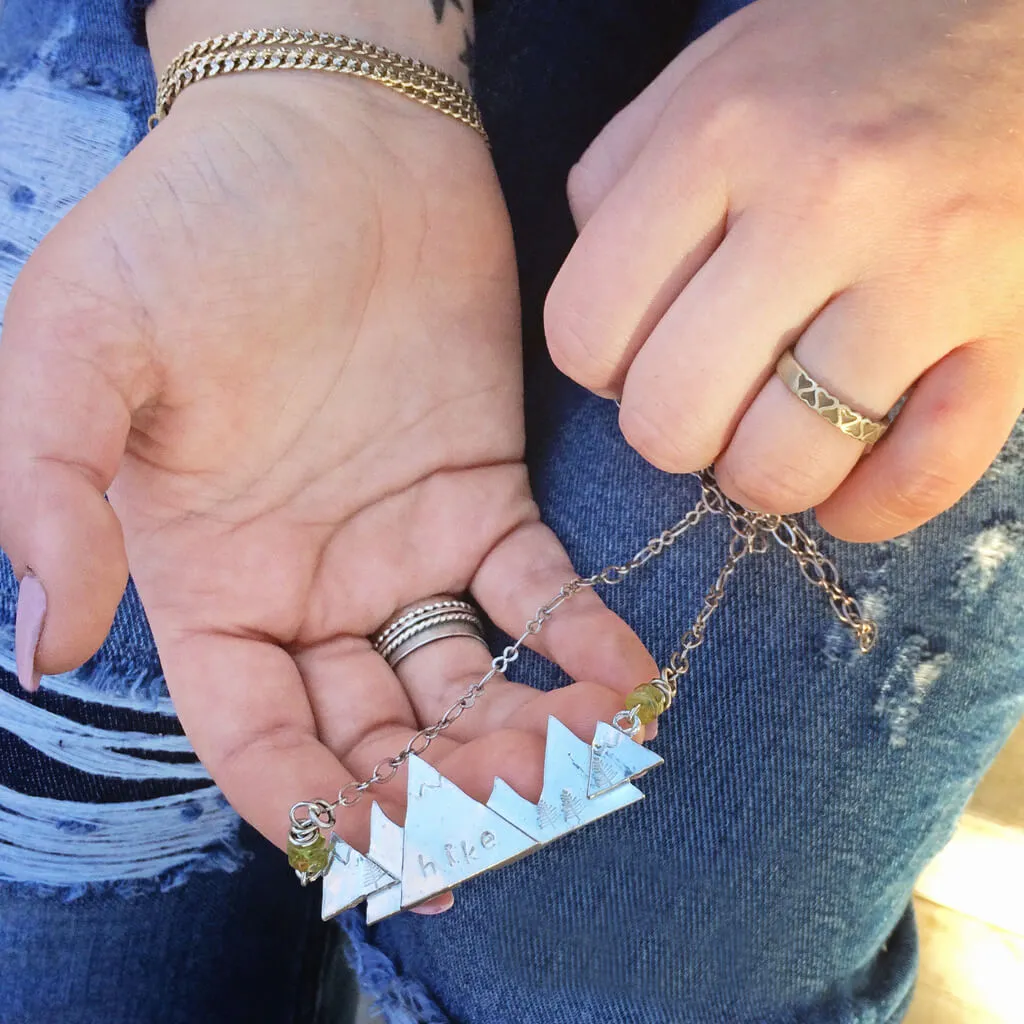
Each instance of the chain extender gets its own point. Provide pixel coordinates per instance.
(751, 531)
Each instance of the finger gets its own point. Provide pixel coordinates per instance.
(255, 733)
(614, 151)
(583, 636)
(439, 675)
(502, 703)
(500, 743)
(517, 754)
(344, 680)
(627, 266)
(785, 457)
(268, 746)
(245, 709)
(68, 381)
(438, 905)
(364, 713)
(715, 348)
(651, 206)
(947, 434)
(579, 707)
(354, 696)
(515, 751)
(428, 553)
(366, 724)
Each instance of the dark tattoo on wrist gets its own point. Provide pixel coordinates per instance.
(441, 8)
(468, 55)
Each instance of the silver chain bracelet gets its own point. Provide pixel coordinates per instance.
(598, 781)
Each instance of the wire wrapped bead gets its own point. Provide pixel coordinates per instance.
(649, 701)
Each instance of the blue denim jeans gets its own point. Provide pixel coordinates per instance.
(767, 877)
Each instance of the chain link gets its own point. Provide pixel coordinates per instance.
(750, 533)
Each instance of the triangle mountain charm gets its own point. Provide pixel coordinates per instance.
(450, 837)
(615, 758)
(386, 841)
(351, 876)
(564, 805)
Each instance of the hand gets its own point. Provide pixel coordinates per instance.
(843, 175)
(284, 335)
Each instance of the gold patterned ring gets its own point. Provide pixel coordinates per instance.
(825, 404)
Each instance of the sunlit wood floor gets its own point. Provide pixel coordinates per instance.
(971, 973)
(971, 908)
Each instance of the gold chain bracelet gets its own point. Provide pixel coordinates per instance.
(268, 49)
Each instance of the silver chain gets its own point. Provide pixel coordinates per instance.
(750, 533)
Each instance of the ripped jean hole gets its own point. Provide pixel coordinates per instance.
(397, 1000)
(916, 668)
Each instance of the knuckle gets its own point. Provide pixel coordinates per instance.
(577, 340)
(728, 113)
(923, 491)
(586, 183)
(728, 109)
(653, 437)
(767, 485)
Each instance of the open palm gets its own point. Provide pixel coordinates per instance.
(284, 336)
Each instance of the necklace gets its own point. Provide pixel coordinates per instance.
(448, 837)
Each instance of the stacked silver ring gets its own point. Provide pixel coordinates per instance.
(425, 622)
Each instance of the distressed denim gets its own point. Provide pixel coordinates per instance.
(766, 879)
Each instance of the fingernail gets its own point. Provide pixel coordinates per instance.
(438, 905)
(28, 624)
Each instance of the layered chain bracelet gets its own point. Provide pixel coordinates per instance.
(270, 49)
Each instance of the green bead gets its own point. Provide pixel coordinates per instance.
(649, 702)
(309, 860)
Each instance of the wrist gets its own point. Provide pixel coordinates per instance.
(410, 27)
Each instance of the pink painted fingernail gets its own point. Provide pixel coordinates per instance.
(28, 624)
(439, 905)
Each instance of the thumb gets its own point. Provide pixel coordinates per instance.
(64, 422)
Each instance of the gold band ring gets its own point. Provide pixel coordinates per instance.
(825, 404)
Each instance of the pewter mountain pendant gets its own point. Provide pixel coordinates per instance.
(450, 838)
